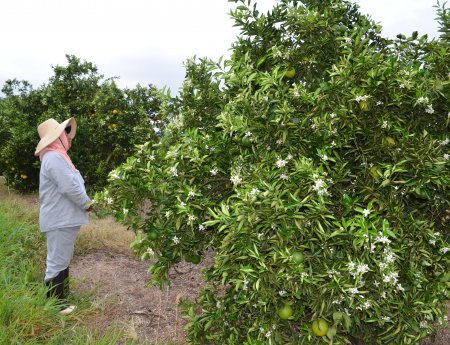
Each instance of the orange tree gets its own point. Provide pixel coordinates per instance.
(315, 167)
(111, 122)
(18, 122)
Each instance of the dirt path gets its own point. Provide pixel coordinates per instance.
(147, 314)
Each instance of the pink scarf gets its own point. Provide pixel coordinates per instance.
(60, 145)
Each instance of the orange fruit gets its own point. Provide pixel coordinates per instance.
(319, 327)
(290, 73)
(285, 312)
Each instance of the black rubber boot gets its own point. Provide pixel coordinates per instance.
(56, 287)
(66, 282)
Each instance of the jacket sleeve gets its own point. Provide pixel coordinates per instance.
(67, 182)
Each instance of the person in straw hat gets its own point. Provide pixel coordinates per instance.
(64, 204)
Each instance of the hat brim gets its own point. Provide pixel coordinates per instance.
(55, 133)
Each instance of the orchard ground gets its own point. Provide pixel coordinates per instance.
(105, 269)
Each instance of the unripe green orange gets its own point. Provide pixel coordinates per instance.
(319, 327)
(285, 312)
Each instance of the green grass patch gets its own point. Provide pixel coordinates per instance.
(26, 315)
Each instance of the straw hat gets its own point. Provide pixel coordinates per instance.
(50, 130)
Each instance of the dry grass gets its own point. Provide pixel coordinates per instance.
(100, 233)
(29, 202)
(103, 233)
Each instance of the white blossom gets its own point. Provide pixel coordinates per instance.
(332, 272)
(152, 157)
(173, 171)
(384, 125)
(443, 320)
(114, 175)
(175, 240)
(109, 201)
(254, 191)
(245, 281)
(366, 305)
(383, 239)
(171, 154)
(280, 163)
(429, 109)
(362, 268)
(366, 212)
(445, 250)
(445, 141)
(201, 227)
(361, 98)
(284, 177)
(324, 157)
(191, 194)
(423, 100)
(351, 266)
(236, 180)
(214, 171)
(446, 156)
(389, 258)
(320, 187)
(423, 324)
(391, 278)
(383, 266)
(353, 291)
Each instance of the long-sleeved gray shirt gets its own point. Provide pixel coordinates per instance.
(62, 194)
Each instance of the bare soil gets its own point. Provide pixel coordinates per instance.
(148, 314)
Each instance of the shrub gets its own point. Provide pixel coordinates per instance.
(111, 122)
(344, 160)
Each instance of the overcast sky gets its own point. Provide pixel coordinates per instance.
(146, 41)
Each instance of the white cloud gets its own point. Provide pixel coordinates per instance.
(146, 41)
(402, 16)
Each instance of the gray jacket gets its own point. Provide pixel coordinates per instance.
(62, 194)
